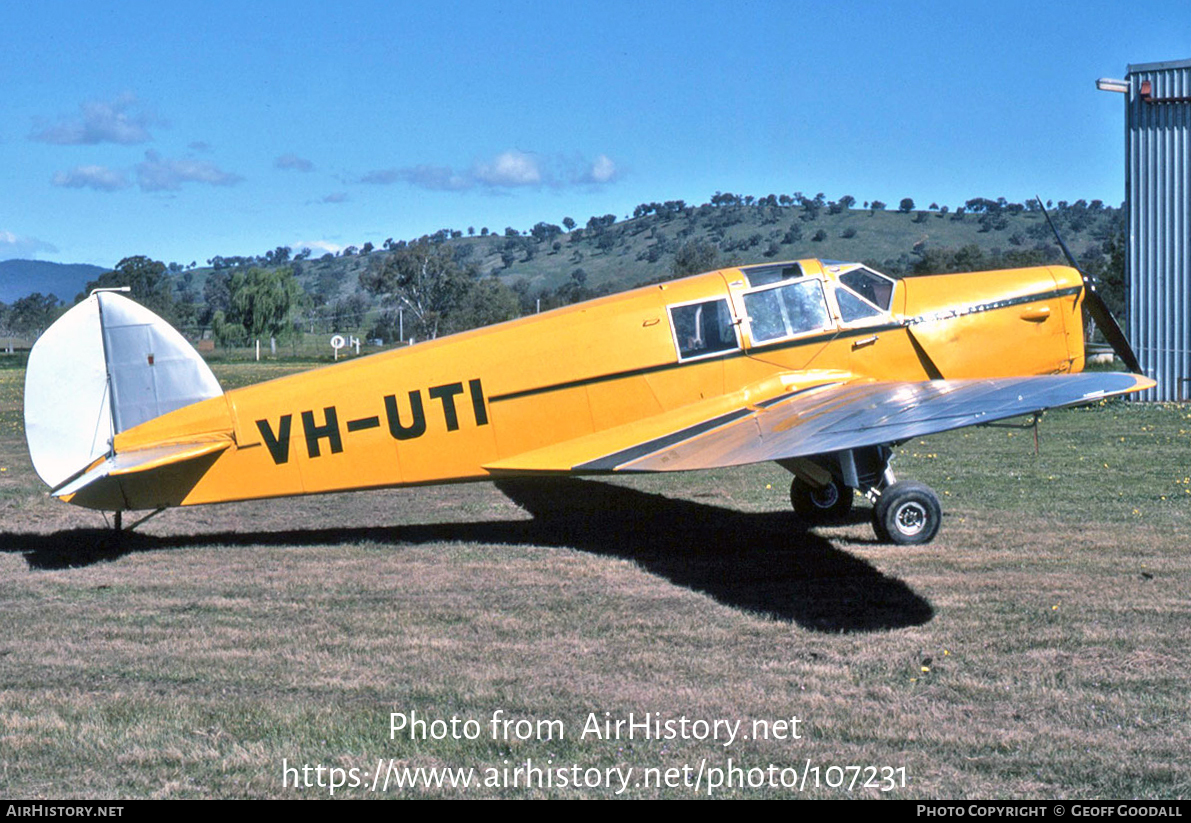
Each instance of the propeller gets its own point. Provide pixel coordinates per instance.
(1097, 308)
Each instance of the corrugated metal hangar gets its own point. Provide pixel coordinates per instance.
(1158, 204)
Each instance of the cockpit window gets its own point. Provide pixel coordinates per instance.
(852, 308)
(764, 275)
(786, 310)
(702, 329)
(873, 287)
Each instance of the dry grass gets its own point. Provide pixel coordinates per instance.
(1037, 648)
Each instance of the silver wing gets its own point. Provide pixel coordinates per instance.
(851, 415)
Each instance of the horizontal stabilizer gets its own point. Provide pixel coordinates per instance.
(106, 485)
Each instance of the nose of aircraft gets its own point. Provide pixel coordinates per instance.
(1097, 309)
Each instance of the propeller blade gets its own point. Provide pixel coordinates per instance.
(1097, 309)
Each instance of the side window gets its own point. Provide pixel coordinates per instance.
(786, 311)
(701, 329)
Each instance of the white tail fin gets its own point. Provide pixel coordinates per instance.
(105, 366)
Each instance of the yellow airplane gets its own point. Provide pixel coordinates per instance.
(820, 366)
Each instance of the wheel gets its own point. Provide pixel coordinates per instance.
(824, 505)
(907, 514)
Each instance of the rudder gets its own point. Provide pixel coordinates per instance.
(105, 366)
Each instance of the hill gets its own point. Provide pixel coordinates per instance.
(549, 265)
(560, 265)
(617, 254)
(20, 278)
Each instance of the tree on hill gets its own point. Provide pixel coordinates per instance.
(217, 293)
(264, 301)
(347, 314)
(148, 280)
(694, 257)
(488, 301)
(543, 232)
(30, 315)
(906, 206)
(425, 279)
(278, 256)
(982, 205)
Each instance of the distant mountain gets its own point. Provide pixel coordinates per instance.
(20, 278)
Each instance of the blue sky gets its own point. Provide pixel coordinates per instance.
(186, 130)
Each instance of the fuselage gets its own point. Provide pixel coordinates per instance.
(443, 410)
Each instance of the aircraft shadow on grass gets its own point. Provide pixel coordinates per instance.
(760, 562)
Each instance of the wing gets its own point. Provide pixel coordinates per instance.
(826, 417)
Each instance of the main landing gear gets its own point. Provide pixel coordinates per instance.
(904, 512)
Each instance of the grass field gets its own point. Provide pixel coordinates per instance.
(1038, 648)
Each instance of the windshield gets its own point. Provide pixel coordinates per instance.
(875, 288)
(863, 294)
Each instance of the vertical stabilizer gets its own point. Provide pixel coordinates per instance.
(105, 366)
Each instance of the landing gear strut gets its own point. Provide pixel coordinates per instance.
(904, 512)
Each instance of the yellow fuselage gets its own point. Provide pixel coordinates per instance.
(444, 410)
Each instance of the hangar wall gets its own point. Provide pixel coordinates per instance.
(1158, 199)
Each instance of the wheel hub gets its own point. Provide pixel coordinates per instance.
(825, 497)
(910, 517)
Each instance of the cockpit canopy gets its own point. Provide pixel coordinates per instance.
(860, 292)
(781, 301)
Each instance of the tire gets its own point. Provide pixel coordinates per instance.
(829, 504)
(907, 514)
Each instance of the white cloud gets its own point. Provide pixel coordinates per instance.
(100, 178)
(436, 178)
(159, 173)
(155, 174)
(292, 162)
(122, 120)
(510, 168)
(433, 178)
(603, 170)
(16, 246)
(383, 177)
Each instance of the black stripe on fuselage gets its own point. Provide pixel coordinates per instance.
(838, 334)
(993, 305)
(611, 461)
(813, 340)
